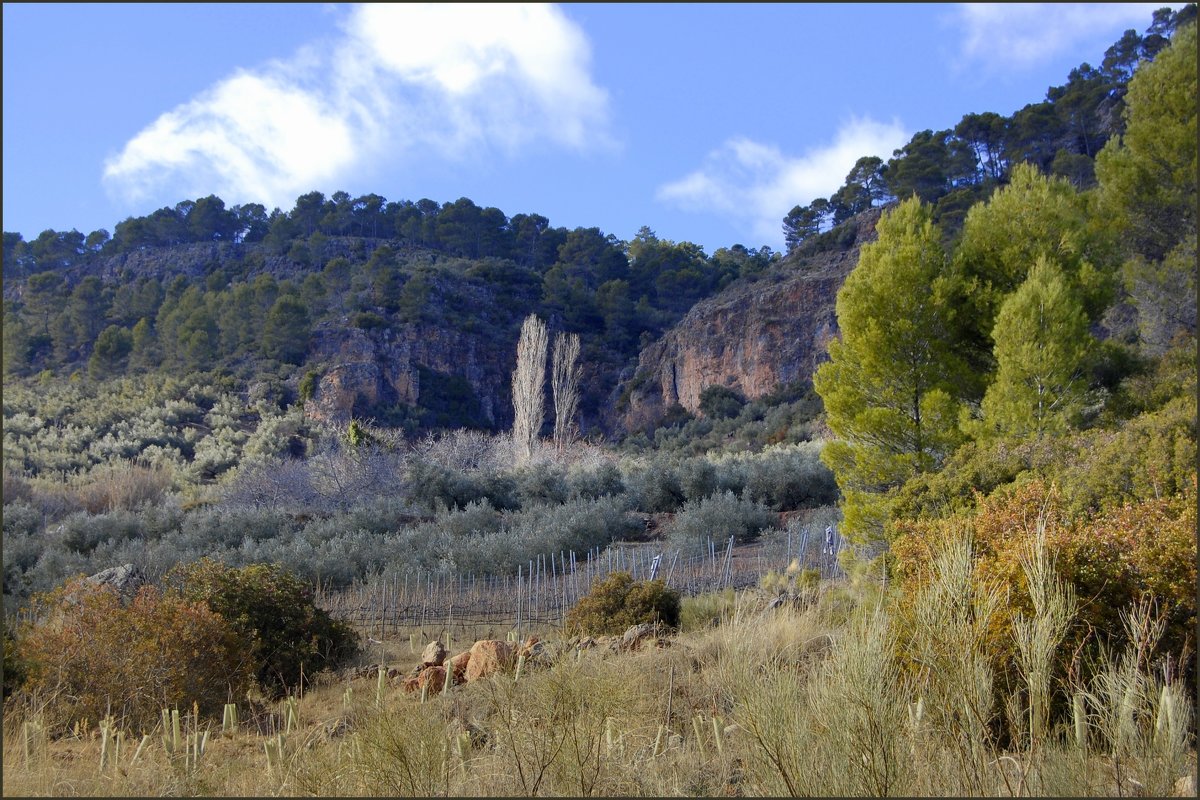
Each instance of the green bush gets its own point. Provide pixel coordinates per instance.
(720, 402)
(368, 320)
(308, 385)
(618, 601)
(292, 639)
(541, 484)
(603, 481)
(674, 416)
(656, 489)
(577, 525)
(435, 487)
(720, 516)
(788, 478)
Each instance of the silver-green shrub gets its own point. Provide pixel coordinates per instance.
(593, 483)
(719, 517)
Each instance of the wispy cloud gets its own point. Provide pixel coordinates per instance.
(757, 184)
(1021, 35)
(400, 81)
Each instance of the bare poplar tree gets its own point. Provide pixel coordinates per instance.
(564, 383)
(528, 387)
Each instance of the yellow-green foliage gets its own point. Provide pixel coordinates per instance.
(893, 383)
(1110, 560)
(618, 601)
(1151, 455)
(90, 655)
(1042, 342)
(1034, 216)
(1148, 175)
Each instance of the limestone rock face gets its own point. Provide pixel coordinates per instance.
(752, 337)
(360, 370)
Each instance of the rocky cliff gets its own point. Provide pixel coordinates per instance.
(360, 371)
(445, 358)
(753, 337)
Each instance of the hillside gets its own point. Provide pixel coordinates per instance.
(417, 336)
(752, 338)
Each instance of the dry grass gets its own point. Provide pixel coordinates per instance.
(123, 485)
(820, 698)
(119, 485)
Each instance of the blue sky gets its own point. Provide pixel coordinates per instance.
(705, 122)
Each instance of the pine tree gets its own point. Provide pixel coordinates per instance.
(892, 385)
(144, 352)
(286, 330)
(1148, 176)
(108, 354)
(1042, 346)
(1033, 216)
(1148, 184)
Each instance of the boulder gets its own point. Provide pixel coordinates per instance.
(433, 655)
(336, 729)
(432, 679)
(458, 667)
(538, 653)
(528, 647)
(635, 635)
(487, 657)
(612, 643)
(125, 580)
(410, 685)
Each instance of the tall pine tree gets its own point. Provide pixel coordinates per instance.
(1042, 347)
(892, 385)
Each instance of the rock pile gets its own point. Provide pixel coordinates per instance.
(487, 657)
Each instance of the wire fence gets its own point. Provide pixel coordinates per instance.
(545, 588)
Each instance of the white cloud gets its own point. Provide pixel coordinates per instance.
(757, 184)
(1020, 35)
(251, 136)
(400, 81)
